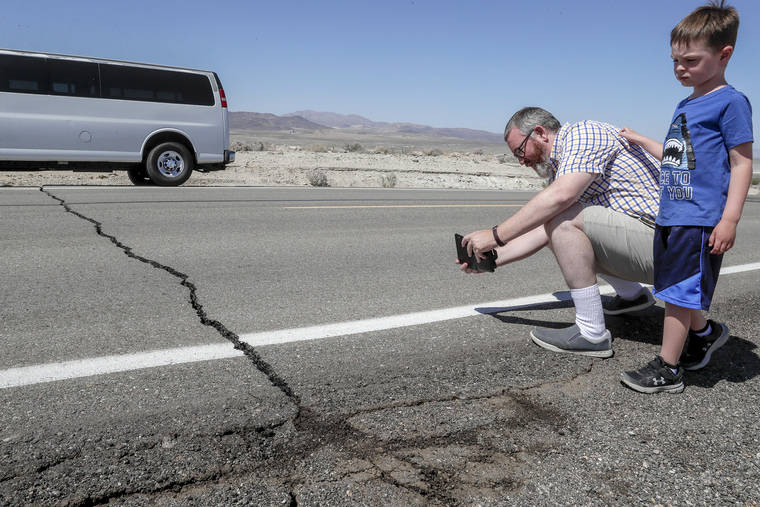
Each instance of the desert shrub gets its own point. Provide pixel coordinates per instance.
(479, 151)
(238, 146)
(756, 180)
(318, 179)
(353, 147)
(318, 148)
(504, 158)
(435, 152)
(382, 150)
(388, 180)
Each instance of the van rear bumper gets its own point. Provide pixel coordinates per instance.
(229, 156)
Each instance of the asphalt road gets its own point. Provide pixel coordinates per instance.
(319, 346)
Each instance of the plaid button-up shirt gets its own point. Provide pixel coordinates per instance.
(628, 175)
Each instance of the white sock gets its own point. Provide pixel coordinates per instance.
(588, 313)
(626, 289)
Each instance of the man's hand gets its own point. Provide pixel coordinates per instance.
(464, 267)
(722, 237)
(479, 242)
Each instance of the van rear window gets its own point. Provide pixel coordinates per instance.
(155, 85)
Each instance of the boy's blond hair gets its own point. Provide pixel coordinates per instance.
(716, 24)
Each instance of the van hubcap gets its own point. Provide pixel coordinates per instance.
(170, 164)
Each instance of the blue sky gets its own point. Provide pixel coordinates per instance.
(441, 63)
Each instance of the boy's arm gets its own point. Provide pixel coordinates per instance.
(649, 144)
(724, 234)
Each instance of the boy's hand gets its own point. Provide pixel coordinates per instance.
(631, 135)
(722, 237)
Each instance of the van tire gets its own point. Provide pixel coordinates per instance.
(137, 175)
(169, 164)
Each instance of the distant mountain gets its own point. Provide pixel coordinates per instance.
(316, 120)
(242, 120)
(335, 120)
(356, 122)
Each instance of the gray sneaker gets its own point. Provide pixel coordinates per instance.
(619, 305)
(571, 341)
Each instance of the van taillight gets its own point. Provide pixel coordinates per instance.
(223, 97)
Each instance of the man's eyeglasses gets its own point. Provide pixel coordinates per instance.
(520, 150)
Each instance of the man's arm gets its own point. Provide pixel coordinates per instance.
(557, 197)
(519, 248)
(649, 144)
(724, 234)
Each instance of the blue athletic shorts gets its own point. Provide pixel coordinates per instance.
(685, 273)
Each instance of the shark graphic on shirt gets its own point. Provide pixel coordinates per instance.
(677, 162)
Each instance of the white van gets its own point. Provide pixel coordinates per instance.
(158, 122)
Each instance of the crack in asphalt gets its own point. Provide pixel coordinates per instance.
(315, 430)
(247, 349)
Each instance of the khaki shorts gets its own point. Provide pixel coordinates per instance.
(622, 244)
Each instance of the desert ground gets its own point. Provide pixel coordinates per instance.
(336, 159)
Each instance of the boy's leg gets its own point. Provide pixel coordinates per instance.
(675, 330)
(698, 322)
(663, 373)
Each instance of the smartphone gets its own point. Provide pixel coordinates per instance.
(487, 264)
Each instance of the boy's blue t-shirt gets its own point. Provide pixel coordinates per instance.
(695, 163)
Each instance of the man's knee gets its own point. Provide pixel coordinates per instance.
(569, 221)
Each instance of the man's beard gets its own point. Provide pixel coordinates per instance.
(544, 168)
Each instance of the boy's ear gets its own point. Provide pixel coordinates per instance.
(725, 53)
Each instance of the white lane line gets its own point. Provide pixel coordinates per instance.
(404, 320)
(51, 372)
(385, 206)
(37, 374)
(730, 270)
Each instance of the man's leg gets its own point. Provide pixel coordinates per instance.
(572, 248)
(576, 259)
(623, 251)
(631, 296)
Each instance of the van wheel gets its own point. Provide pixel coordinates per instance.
(137, 175)
(169, 164)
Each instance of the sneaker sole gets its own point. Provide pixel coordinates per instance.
(636, 308)
(722, 339)
(674, 389)
(603, 354)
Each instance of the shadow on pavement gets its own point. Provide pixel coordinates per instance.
(735, 362)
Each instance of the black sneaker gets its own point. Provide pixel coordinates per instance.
(698, 350)
(619, 305)
(655, 377)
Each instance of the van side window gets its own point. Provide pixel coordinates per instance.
(23, 74)
(74, 78)
(154, 85)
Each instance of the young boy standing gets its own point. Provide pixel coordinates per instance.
(705, 175)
